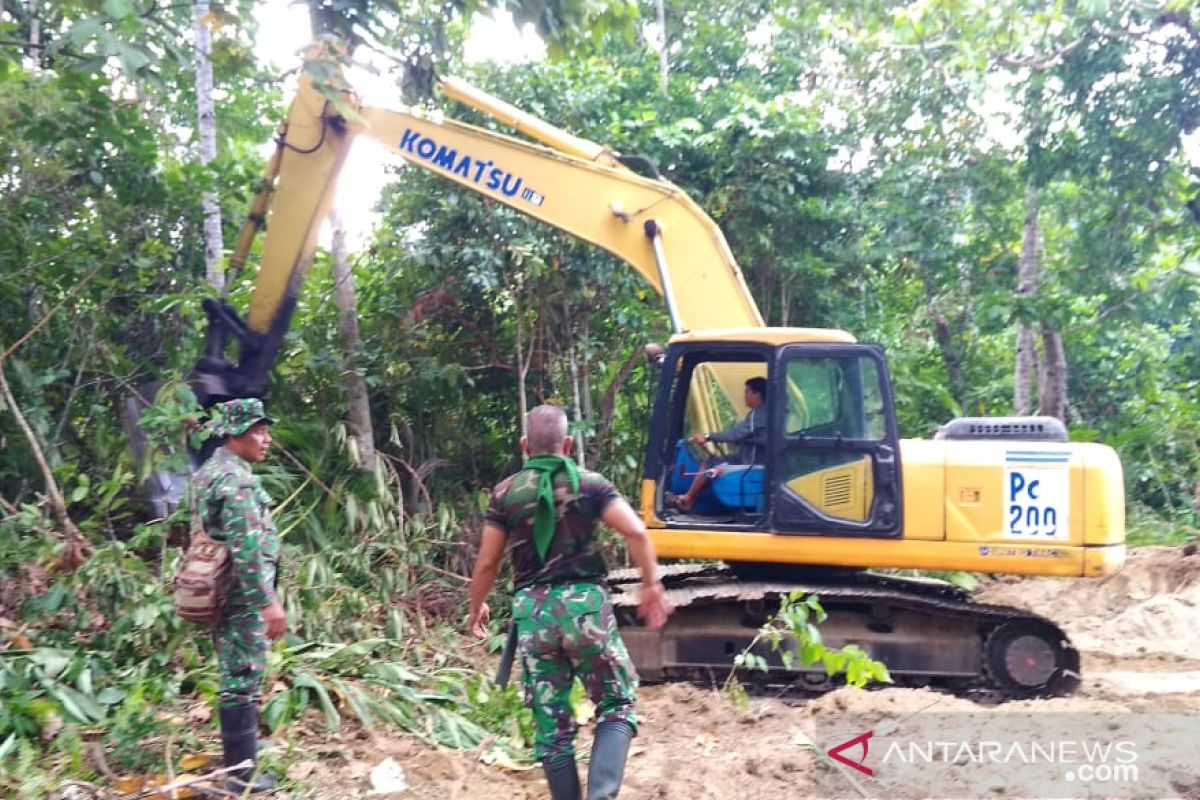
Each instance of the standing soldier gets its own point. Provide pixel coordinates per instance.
(234, 509)
(546, 514)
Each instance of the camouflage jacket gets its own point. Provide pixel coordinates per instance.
(575, 550)
(235, 509)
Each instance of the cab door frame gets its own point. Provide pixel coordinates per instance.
(670, 406)
(789, 513)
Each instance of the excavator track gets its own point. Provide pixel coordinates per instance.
(927, 632)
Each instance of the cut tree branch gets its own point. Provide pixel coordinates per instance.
(1040, 61)
(608, 404)
(76, 548)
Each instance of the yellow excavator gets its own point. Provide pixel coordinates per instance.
(833, 502)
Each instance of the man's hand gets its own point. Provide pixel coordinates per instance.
(654, 607)
(276, 619)
(487, 564)
(699, 438)
(479, 620)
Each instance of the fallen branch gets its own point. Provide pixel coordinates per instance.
(418, 482)
(170, 788)
(332, 495)
(97, 753)
(76, 548)
(167, 758)
(447, 573)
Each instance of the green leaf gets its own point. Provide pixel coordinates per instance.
(963, 580)
(117, 9)
(77, 705)
(110, 696)
(84, 31)
(275, 712)
(811, 652)
(132, 58)
(358, 703)
(352, 653)
(144, 616)
(396, 673)
(309, 681)
(51, 661)
(833, 662)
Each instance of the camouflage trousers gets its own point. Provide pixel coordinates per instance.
(240, 640)
(568, 631)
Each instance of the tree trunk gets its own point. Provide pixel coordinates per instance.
(1052, 375)
(664, 70)
(358, 402)
(943, 334)
(576, 390)
(950, 357)
(1026, 370)
(35, 32)
(578, 406)
(214, 245)
(608, 403)
(785, 300)
(522, 364)
(1027, 275)
(589, 412)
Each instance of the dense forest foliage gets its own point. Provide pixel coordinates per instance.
(1005, 195)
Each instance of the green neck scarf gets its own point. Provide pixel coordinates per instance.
(544, 515)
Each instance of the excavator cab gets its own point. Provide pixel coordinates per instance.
(830, 463)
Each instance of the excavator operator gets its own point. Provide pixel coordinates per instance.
(750, 433)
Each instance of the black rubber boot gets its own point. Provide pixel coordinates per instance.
(610, 749)
(239, 739)
(563, 779)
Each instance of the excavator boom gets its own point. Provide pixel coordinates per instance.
(574, 185)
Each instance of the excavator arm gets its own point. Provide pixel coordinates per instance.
(572, 184)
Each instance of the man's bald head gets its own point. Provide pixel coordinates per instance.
(546, 428)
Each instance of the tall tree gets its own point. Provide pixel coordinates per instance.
(357, 398)
(206, 127)
(1027, 368)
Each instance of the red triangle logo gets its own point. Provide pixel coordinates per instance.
(836, 753)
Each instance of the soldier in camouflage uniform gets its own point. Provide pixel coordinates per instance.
(234, 509)
(546, 515)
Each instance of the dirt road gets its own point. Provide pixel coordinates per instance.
(1137, 632)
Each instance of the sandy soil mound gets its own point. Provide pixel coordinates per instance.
(1138, 633)
(1150, 607)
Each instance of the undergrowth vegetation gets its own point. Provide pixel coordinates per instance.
(99, 674)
